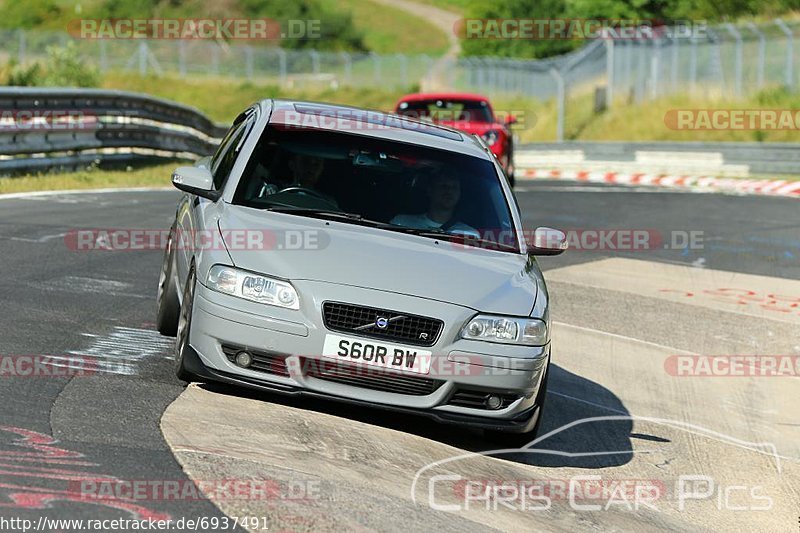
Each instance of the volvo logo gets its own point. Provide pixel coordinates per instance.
(382, 322)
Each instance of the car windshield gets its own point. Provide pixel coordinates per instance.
(447, 110)
(383, 184)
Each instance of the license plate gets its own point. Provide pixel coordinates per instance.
(375, 353)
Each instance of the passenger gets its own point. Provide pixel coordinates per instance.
(444, 195)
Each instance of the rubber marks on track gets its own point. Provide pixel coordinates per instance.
(748, 294)
(121, 351)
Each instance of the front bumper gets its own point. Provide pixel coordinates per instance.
(458, 365)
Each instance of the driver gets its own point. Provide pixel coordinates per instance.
(444, 195)
(306, 171)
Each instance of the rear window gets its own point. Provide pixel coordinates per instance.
(447, 110)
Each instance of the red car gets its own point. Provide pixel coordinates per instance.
(470, 113)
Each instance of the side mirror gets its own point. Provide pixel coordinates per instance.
(195, 180)
(548, 241)
(510, 120)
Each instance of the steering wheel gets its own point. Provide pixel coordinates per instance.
(304, 190)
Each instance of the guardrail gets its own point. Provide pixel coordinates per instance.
(64, 129)
(731, 159)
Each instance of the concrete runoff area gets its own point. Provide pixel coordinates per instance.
(628, 441)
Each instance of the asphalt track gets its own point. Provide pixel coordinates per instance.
(619, 314)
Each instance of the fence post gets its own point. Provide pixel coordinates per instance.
(214, 58)
(182, 58)
(641, 72)
(314, 61)
(673, 66)
(789, 52)
(655, 69)
(248, 61)
(103, 56)
(762, 53)
(142, 58)
(693, 63)
(282, 65)
(376, 62)
(348, 67)
(561, 97)
(737, 86)
(403, 69)
(21, 50)
(609, 70)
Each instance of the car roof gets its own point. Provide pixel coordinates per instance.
(371, 123)
(443, 96)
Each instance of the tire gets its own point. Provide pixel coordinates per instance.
(517, 440)
(184, 329)
(169, 305)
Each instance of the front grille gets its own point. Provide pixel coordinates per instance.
(477, 399)
(360, 320)
(368, 378)
(271, 363)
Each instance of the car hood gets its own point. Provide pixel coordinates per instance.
(349, 254)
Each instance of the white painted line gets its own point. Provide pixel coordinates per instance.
(35, 194)
(623, 337)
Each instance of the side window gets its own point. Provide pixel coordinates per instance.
(226, 156)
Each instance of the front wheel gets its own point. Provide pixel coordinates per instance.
(184, 329)
(167, 298)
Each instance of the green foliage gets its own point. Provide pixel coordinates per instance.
(665, 11)
(30, 14)
(516, 9)
(63, 67)
(24, 76)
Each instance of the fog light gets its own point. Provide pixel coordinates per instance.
(244, 359)
(494, 401)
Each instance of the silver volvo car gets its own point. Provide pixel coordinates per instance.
(362, 257)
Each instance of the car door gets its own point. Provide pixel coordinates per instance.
(191, 215)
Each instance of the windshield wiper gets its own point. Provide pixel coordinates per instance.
(330, 213)
(463, 238)
(282, 208)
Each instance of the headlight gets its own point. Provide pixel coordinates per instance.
(253, 287)
(527, 331)
(490, 137)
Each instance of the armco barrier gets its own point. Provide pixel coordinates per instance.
(732, 159)
(95, 125)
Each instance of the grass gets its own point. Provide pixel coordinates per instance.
(642, 122)
(388, 30)
(645, 122)
(223, 99)
(152, 176)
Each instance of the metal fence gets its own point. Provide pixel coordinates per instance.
(727, 61)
